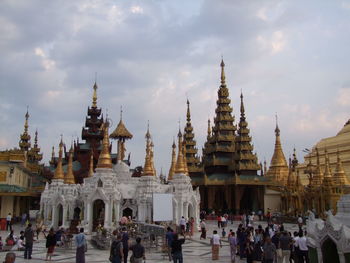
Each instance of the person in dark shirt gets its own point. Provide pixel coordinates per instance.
(169, 236)
(50, 244)
(176, 248)
(138, 252)
(125, 240)
(29, 237)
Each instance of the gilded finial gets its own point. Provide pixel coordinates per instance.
(24, 142)
(121, 113)
(242, 105)
(277, 130)
(222, 65)
(180, 161)
(209, 129)
(94, 96)
(188, 115)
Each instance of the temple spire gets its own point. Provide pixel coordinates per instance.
(173, 161)
(24, 142)
(180, 168)
(59, 175)
(327, 179)
(105, 160)
(223, 77)
(339, 175)
(318, 176)
(148, 167)
(94, 96)
(242, 107)
(209, 130)
(69, 178)
(278, 168)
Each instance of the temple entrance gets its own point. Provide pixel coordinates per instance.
(76, 215)
(98, 214)
(249, 201)
(220, 204)
(330, 251)
(60, 215)
(127, 212)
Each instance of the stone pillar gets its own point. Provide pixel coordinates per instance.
(17, 211)
(6, 206)
(88, 218)
(180, 209)
(64, 216)
(117, 211)
(54, 221)
(107, 223)
(186, 215)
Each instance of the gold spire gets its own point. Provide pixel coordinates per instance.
(173, 162)
(222, 65)
(105, 160)
(94, 96)
(278, 158)
(148, 169)
(184, 157)
(24, 143)
(327, 179)
(69, 178)
(318, 177)
(59, 175)
(339, 176)
(242, 106)
(180, 168)
(152, 158)
(188, 115)
(91, 165)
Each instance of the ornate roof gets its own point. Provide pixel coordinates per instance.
(121, 132)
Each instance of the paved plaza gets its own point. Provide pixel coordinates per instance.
(194, 250)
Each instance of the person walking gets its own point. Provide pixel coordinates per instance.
(138, 252)
(215, 245)
(203, 230)
(269, 251)
(182, 224)
(50, 244)
(80, 243)
(9, 222)
(232, 240)
(29, 238)
(169, 237)
(116, 253)
(125, 240)
(285, 243)
(303, 249)
(23, 219)
(176, 248)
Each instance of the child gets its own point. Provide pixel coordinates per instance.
(223, 233)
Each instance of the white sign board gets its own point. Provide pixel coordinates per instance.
(162, 207)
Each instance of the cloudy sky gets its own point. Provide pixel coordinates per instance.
(289, 57)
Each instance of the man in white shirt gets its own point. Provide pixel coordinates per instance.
(303, 249)
(182, 225)
(215, 244)
(8, 222)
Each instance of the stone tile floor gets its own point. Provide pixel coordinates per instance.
(194, 250)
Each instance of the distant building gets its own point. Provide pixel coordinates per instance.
(21, 180)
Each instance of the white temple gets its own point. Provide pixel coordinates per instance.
(111, 192)
(329, 240)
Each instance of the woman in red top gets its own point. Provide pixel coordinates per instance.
(219, 221)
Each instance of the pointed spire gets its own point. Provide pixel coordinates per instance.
(91, 165)
(69, 178)
(327, 179)
(94, 96)
(223, 77)
(184, 157)
(152, 158)
(173, 161)
(340, 176)
(24, 142)
(188, 115)
(36, 139)
(148, 167)
(180, 168)
(52, 161)
(242, 107)
(209, 130)
(318, 176)
(105, 160)
(59, 175)
(277, 130)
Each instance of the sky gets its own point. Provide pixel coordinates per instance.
(287, 57)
